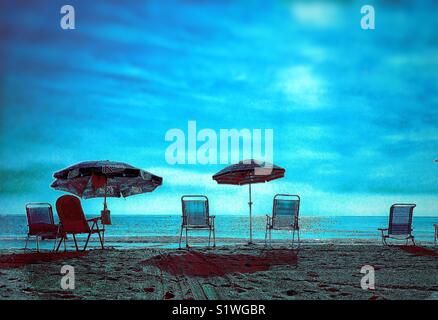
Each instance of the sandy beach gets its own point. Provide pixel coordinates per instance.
(229, 272)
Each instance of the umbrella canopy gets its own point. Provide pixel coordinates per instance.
(249, 172)
(93, 179)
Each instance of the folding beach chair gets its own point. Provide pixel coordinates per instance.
(285, 211)
(195, 216)
(40, 222)
(400, 223)
(72, 220)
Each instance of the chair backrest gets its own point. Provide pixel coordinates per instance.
(400, 219)
(37, 214)
(71, 215)
(285, 210)
(195, 210)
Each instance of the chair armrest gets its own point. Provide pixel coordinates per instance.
(382, 229)
(94, 219)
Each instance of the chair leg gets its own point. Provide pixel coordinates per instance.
(54, 243)
(37, 244)
(76, 243)
(293, 237)
(27, 241)
(299, 240)
(187, 239)
(266, 236)
(214, 237)
(59, 244)
(209, 238)
(180, 236)
(412, 238)
(86, 243)
(101, 240)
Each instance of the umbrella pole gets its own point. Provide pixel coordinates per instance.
(104, 200)
(250, 215)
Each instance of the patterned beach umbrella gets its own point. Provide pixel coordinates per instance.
(94, 179)
(249, 172)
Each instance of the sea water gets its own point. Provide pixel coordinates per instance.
(133, 231)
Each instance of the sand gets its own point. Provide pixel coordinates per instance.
(228, 272)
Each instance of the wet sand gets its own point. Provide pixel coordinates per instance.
(229, 272)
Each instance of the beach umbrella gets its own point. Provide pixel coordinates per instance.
(249, 172)
(94, 179)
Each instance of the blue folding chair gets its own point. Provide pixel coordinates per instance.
(195, 216)
(41, 223)
(285, 211)
(400, 223)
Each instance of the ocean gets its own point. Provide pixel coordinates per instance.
(133, 231)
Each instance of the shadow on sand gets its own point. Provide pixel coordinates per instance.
(194, 263)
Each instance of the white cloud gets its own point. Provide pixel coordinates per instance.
(176, 176)
(308, 154)
(316, 13)
(421, 135)
(302, 86)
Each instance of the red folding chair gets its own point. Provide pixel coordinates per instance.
(72, 220)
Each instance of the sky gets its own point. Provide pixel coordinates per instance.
(354, 113)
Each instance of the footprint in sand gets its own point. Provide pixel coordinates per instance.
(312, 274)
(149, 290)
(169, 295)
(27, 290)
(291, 293)
(188, 295)
(309, 291)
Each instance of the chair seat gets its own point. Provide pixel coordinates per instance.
(197, 226)
(92, 231)
(291, 227)
(41, 228)
(398, 236)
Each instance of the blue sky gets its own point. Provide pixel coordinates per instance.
(354, 112)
